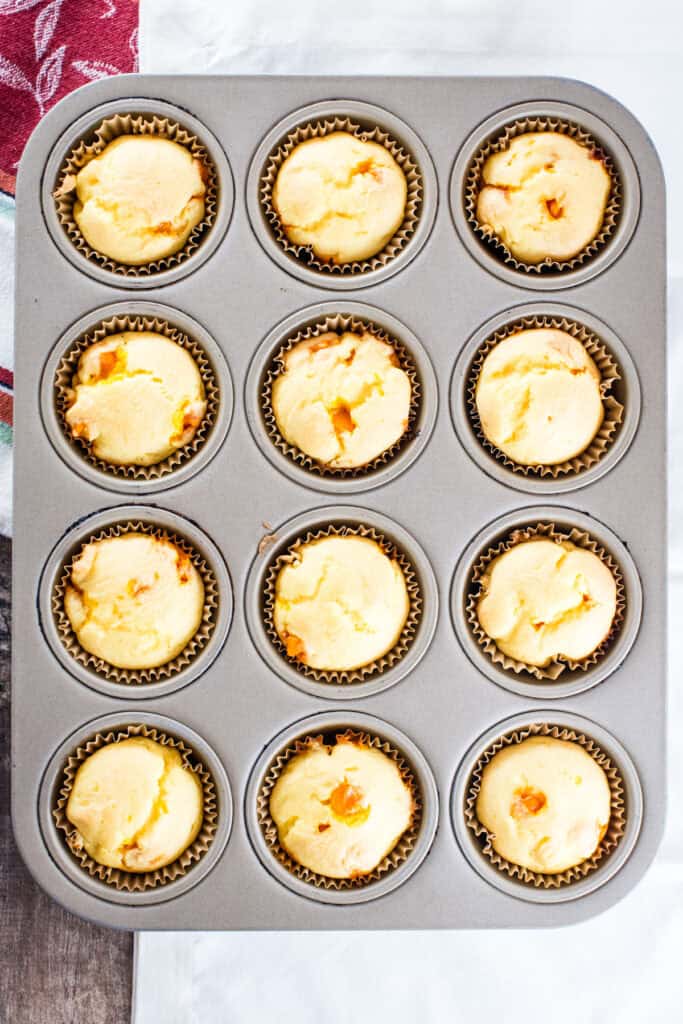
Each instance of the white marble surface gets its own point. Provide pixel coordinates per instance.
(624, 965)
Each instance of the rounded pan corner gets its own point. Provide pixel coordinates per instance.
(617, 890)
(635, 123)
(61, 112)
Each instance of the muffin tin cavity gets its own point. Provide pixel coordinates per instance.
(420, 581)
(573, 678)
(619, 426)
(137, 316)
(87, 137)
(125, 887)
(621, 214)
(410, 850)
(368, 123)
(201, 650)
(341, 316)
(614, 849)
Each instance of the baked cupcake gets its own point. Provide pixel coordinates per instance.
(340, 808)
(545, 804)
(538, 396)
(135, 805)
(545, 599)
(135, 600)
(340, 604)
(340, 196)
(140, 198)
(544, 196)
(136, 398)
(342, 398)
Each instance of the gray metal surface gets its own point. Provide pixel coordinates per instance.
(442, 295)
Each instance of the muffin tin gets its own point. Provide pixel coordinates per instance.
(442, 500)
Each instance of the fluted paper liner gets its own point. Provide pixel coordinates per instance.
(68, 366)
(133, 881)
(402, 156)
(379, 665)
(340, 323)
(390, 862)
(609, 375)
(552, 671)
(615, 827)
(94, 143)
(501, 141)
(159, 673)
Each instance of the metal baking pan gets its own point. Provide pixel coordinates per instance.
(442, 498)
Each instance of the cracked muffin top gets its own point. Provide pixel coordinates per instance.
(135, 805)
(543, 599)
(538, 397)
(340, 808)
(140, 198)
(340, 196)
(136, 397)
(342, 399)
(544, 196)
(135, 600)
(546, 803)
(340, 604)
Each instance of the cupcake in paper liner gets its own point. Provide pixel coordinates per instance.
(553, 803)
(342, 604)
(171, 212)
(356, 805)
(136, 807)
(342, 198)
(539, 397)
(543, 195)
(545, 600)
(135, 604)
(136, 396)
(321, 403)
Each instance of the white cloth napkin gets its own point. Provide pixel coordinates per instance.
(625, 965)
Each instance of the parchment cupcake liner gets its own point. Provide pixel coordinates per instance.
(474, 183)
(615, 827)
(318, 129)
(68, 366)
(95, 143)
(147, 675)
(132, 881)
(340, 323)
(379, 665)
(394, 859)
(609, 374)
(555, 668)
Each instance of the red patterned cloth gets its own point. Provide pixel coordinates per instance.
(49, 49)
